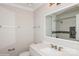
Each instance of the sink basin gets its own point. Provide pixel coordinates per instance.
(50, 52)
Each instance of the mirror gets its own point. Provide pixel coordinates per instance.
(64, 24)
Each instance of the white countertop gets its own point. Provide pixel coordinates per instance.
(45, 50)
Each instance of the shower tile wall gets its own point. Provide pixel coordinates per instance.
(65, 26)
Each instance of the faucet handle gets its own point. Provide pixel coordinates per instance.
(55, 46)
(60, 48)
(52, 45)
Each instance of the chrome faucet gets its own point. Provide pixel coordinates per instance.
(60, 48)
(54, 46)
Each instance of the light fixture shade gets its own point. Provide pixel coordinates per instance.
(50, 4)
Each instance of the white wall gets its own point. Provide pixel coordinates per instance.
(39, 21)
(23, 29)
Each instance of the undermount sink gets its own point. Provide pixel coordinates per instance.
(49, 52)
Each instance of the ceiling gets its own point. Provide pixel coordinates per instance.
(30, 5)
(26, 6)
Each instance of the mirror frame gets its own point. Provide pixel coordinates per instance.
(55, 11)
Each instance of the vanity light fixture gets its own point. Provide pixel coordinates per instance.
(50, 4)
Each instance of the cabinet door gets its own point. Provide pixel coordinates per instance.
(7, 29)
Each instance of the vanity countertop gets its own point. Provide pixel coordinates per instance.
(46, 50)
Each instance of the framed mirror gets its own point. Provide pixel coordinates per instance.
(63, 24)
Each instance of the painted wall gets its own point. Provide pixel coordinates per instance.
(39, 21)
(23, 29)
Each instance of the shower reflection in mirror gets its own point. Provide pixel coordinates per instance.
(63, 24)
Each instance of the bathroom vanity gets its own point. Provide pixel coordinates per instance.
(48, 49)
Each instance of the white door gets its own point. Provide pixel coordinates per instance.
(7, 28)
